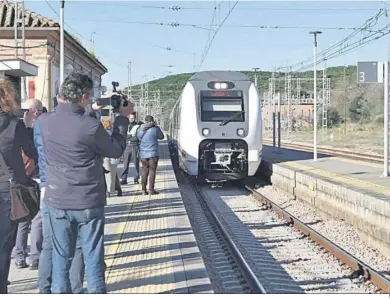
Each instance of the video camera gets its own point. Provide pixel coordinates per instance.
(116, 101)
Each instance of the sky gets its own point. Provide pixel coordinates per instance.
(126, 31)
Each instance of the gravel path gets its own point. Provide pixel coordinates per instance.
(339, 232)
(283, 259)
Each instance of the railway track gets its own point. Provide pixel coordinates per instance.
(241, 249)
(359, 268)
(372, 158)
(243, 266)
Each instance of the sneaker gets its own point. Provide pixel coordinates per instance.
(21, 265)
(33, 266)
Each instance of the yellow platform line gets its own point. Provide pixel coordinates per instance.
(114, 247)
(341, 178)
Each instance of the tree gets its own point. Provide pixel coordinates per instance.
(333, 116)
(359, 110)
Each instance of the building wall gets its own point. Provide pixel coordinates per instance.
(35, 56)
(301, 112)
(47, 58)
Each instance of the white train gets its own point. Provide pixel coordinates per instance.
(216, 126)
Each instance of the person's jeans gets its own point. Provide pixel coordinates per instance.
(149, 168)
(8, 229)
(77, 268)
(88, 224)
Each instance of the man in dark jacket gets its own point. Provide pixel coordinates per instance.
(74, 145)
(77, 268)
(131, 151)
(148, 134)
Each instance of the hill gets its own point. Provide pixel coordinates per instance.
(344, 89)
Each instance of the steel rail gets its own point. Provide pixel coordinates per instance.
(244, 267)
(358, 266)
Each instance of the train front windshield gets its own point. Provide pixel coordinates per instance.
(221, 105)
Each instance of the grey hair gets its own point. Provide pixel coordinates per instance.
(74, 86)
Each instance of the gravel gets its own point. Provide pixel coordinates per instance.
(338, 231)
(224, 279)
(282, 258)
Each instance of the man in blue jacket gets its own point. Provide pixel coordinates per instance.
(74, 145)
(149, 134)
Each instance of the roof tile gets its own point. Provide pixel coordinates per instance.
(32, 19)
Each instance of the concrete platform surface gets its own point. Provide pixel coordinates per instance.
(363, 176)
(149, 243)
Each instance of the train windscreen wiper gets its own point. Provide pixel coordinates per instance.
(229, 119)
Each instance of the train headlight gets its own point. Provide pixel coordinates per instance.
(240, 132)
(220, 85)
(206, 132)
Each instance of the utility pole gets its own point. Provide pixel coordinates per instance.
(129, 80)
(315, 91)
(345, 103)
(62, 43)
(93, 41)
(20, 40)
(256, 84)
(386, 121)
(324, 104)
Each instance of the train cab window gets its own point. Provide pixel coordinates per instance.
(216, 108)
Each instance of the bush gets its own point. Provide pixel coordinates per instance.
(333, 116)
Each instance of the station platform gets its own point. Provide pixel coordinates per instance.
(149, 243)
(346, 189)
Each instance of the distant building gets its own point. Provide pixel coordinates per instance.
(42, 37)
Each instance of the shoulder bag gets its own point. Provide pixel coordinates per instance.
(25, 199)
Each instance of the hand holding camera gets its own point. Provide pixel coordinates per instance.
(118, 101)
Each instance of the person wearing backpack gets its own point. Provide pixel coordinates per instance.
(31, 168)
(149, 134)
(14, 136)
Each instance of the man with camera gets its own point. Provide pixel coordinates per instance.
(75, 194)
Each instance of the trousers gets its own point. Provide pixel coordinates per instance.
(88, 225)
(77, 269)
(8, 229)
(20, 250)
(149, 168)
(111, 178)
(131, 151)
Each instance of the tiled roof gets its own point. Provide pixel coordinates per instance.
(32, 19)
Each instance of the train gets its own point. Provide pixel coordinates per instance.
(215, 127)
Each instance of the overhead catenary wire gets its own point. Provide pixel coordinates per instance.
(215, 33)
(25, 47)
(209, 35)
(181, 8)
(366, 27)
